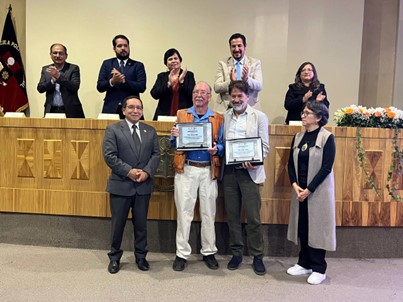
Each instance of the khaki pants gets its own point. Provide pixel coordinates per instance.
(187, 185)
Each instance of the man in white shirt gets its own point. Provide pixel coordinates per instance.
(241, 182)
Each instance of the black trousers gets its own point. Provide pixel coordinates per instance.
(120, 206)
(57, 109)
(309, 257)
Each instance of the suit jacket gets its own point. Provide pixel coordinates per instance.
(121, 156)
(69, 81)
(135, 83)
(257, 125)
(293, 100)
(161, 92)
(223, 79)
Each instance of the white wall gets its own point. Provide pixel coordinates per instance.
(282, 34)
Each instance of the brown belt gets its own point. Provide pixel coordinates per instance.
(198, 164)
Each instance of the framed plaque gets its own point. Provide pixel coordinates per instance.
(194, 136)
(242, 150)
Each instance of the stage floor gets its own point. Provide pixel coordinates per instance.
(33, 273)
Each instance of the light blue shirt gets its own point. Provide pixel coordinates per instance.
(202, 155)
(57, 96)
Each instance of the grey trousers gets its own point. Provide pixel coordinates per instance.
(241, 192)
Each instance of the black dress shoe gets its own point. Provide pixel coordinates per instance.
(142, 264)
(211, 262)
(179, 264)
(234, 263)
(258, 266)
(113, 266)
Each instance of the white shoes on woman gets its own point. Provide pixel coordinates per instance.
(314, 278)
(298, 270)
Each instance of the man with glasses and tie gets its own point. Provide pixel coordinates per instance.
(61, 81)
(238, 67)
(131, 149)
(196, 172)
(120, 77)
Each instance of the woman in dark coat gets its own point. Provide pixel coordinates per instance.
(306, 88)
(173, 88)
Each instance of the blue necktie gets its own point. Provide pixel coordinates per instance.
(238, 67)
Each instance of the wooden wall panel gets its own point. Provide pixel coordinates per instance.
(6, 200)
(52, 159)
(80, 160)
(25, 157)
(56, 167)
(351, 213)
(361, 205)
(29, 201)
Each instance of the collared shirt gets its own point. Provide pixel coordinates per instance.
(124, 62)
(237, 126)
(57, 96)
(202, 155)
(242, 61)
(131, 128)
(239, 64)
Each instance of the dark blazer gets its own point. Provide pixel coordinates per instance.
(161, 92)
(69, 81)
(294, 104)
(121, 156)
(135, 83)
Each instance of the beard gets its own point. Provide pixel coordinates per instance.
(123, 56)
(239, 107)
(237, 55)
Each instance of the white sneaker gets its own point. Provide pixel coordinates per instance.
(316, 278)
(298, 270)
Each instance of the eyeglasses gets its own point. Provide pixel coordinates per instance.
(132, 107)
(61, 53)
(306, 113)
(201, 92)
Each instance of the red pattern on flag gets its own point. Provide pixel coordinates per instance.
(13, 92)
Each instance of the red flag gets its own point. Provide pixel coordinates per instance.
(13, 92)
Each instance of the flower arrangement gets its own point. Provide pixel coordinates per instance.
(360, 116)
(388, 117)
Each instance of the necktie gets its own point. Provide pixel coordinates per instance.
(136, 138)
(122, 66)
(238, 67)
(57, 96)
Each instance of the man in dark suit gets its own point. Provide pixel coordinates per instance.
(131, 150)
(120, 77)
(61, 81)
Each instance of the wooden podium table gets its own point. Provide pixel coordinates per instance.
(56, 167)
